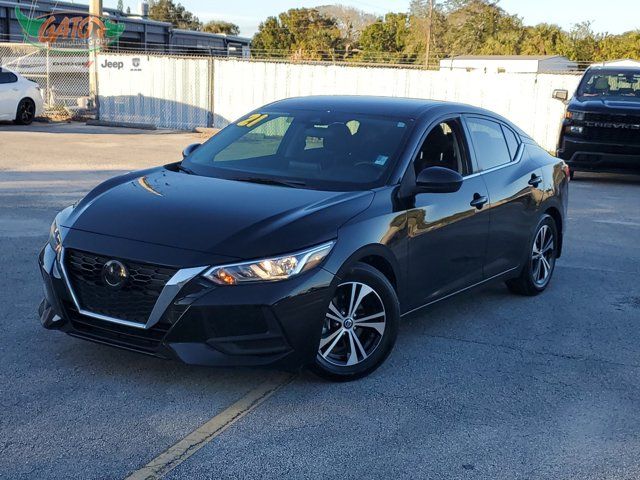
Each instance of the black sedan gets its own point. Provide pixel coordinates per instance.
(302, 233)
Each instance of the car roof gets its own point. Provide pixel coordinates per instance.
(614, 69)
(365, 104)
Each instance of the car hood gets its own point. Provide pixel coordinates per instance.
(617, 105)
(212, 215)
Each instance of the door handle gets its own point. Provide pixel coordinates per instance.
(478, 201)
(535, 180)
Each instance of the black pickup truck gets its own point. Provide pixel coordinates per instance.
(601, 128)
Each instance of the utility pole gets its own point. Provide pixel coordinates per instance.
(429, 26)
(95, 10)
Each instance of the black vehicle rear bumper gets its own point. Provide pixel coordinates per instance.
(277, 324)
(584, 155)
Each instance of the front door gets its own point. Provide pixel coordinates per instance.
(448, 232)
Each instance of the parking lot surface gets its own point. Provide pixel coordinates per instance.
(485, 385)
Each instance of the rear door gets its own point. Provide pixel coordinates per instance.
(515, 191)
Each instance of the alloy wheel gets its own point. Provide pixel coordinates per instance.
(27, 112)
(543, 256)
(354, 325)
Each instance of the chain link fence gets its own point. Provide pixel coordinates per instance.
(63, 75)
(165, 91)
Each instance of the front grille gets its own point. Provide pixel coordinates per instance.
(133, 302)
(613, 118)
(613, 135)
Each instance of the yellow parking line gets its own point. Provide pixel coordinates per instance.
(178, 453)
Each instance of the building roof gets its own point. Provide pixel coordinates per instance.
(504, 57)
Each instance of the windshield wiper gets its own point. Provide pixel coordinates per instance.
(185, 169)
(272, 181)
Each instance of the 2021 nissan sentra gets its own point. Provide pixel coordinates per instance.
(302, 233)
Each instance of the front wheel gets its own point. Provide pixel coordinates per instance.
(360, 326)
(537, 272)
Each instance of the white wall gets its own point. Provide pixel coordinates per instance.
(176, 93)
(525, 99)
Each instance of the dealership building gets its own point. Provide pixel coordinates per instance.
(140, 33)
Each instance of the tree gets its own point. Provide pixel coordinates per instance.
(299, 34)
(386, 39)
(544, 39)
(583, 43)
(120, 6)
(422, 28)
(350, 21)
(220, 26)
(626, 45)
(480, 27)
(174, 13)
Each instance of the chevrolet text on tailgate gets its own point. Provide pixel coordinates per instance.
(601, 128)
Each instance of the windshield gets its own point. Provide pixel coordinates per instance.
(321, 150)
(610, 84)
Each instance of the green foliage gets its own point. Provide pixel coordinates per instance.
(299, 34)
(386, 39)
(220, 26)
(458, 27)
(174, 13)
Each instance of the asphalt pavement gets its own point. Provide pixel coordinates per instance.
(487, 385)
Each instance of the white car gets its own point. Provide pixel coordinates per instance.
(20, 99)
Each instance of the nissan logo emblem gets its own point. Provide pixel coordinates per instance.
(114, 274)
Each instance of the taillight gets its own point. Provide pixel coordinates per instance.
(567, 172)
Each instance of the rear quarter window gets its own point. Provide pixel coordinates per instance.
(513, 142)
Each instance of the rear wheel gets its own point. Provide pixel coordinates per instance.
(26, 112)
(538, 270)
(360, 326)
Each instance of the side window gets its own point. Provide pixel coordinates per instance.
(442, 148)
(8, 77)
(262, 141)
(512, 141)
(489, 143)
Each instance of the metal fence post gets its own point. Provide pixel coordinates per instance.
(211, 93)
(48, 77)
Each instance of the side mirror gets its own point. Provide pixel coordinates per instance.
(438, 180)
(562, 95)
(190, 149)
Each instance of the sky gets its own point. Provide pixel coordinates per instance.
(616, 17)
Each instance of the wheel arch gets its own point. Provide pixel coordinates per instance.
(379, 257)
(554, 213)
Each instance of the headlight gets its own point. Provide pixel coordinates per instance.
(55, 240)
(577, 116)
(269, 269)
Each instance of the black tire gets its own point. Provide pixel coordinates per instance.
(26, 112)
(530, 282)
(571, 174)
(373, 347)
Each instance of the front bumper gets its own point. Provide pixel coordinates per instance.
(584, 155)
(277, 324)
